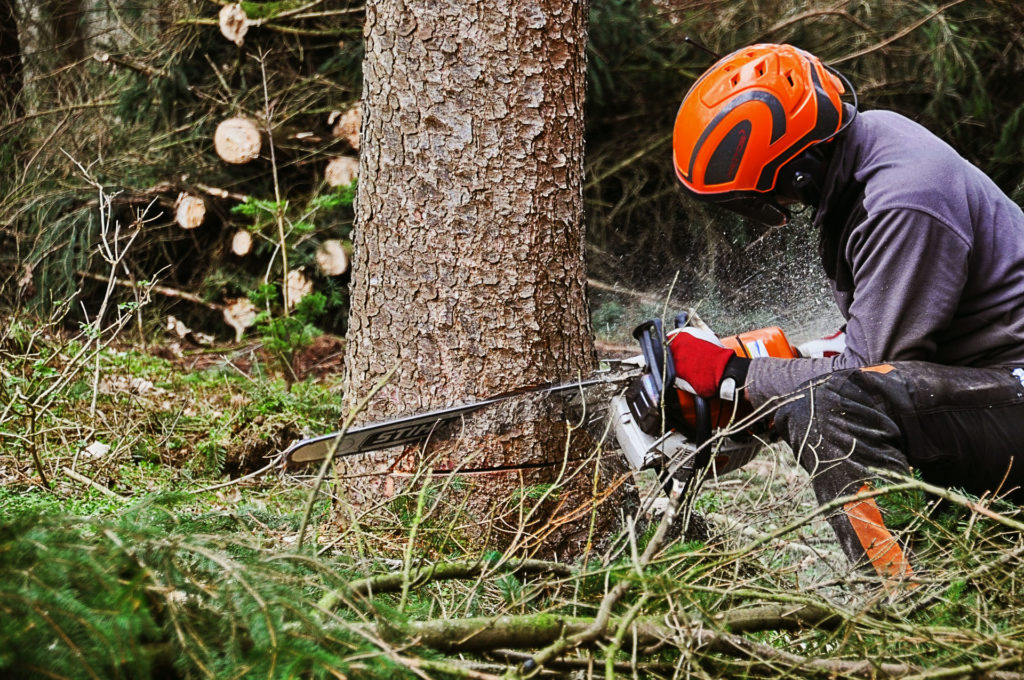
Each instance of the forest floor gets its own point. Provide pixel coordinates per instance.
(210, 421)
(175, 446)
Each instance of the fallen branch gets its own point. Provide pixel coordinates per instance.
(517, 632)
(91, 483)
(162, 290)
(504, 635)
(952, 497)
(779, 663)
(221, 193)
(391, 583)
(482, 634)
(622, 668)
(130, 64)
(599, 626)
(778, 617)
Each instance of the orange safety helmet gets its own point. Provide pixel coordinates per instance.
(750, 114)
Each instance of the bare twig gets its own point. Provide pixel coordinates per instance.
(896, 36)
(329, 458)
(91, 483)
(835, 10)
(166, 291)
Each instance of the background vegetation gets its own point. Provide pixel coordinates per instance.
(134, 92)
(144, 529)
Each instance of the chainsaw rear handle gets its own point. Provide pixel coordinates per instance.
(650, 334)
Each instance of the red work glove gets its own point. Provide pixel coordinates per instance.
(703, 363)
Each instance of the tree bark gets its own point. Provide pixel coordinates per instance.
(468, 268)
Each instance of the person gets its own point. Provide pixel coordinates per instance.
(925, 258)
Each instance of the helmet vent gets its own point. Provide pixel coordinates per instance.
(735, 80)
(789, 78)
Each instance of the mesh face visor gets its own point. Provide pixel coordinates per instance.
(748, 204)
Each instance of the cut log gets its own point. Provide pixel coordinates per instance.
(237, 140)
(175, 326)
(241, 243)
(299, 286)
(346, 125)
(332, 258)
(341, 170)
(234, 23)
(190, 211)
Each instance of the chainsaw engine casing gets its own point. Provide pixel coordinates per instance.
(673, 451)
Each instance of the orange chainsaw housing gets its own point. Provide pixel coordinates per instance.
(763, 342)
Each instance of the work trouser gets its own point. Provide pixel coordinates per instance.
(959, 426)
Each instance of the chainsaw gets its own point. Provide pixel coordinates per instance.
(676, 432)
(658, 424)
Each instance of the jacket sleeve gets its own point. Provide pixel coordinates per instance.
(909, 271)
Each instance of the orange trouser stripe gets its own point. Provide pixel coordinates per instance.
(882, 548)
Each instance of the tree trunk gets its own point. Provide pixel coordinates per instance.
(68, 30)
(11, 78)
(468, 270)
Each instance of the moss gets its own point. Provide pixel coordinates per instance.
(269, 10)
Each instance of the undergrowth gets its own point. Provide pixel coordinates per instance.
(152, 561)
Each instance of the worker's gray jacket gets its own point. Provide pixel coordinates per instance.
(924, 253)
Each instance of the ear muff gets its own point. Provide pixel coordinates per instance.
(802, 178)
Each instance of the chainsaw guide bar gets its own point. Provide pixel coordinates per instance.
(421, 427)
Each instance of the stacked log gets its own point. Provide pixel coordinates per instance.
(237, 140)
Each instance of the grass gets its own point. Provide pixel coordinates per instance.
(159, 538)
